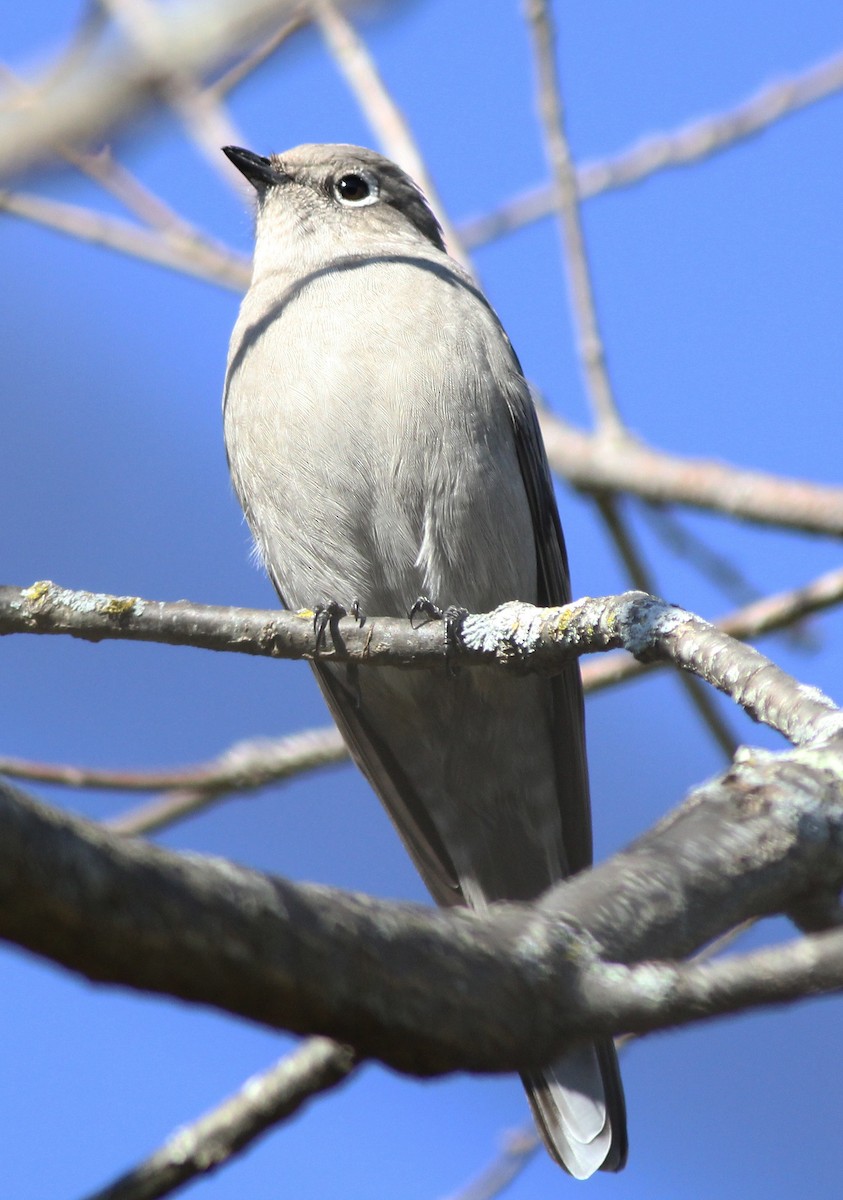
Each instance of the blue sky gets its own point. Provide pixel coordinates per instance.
(719, 289)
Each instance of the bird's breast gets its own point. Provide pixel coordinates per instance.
(371, 443)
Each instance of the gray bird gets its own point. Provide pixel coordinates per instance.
(384, 447)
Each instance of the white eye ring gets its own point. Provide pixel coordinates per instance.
(355, 189)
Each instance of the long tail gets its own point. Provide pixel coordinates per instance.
(579, 1109)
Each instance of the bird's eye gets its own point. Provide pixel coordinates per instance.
(355, 189)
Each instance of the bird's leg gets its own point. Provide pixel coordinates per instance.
(453, 618)
(325, 616)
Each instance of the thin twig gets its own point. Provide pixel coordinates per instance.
(679, 148)
(589, 339)
(715, 566)
(201, 111)
(599, 464)
(192, 254)
(246, 767)
(519, 1147)
(382, 113)
(566, 205)
(641, 578)
(710, 562)
(262, 1103)
(257, 57)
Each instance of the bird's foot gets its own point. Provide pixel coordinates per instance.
(453, 618)
(424, 607)
(325, 616)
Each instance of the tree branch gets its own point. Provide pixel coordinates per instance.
(689, 144)
(252, 764)
(190, 253)
(100, 86)
(429, 991)
(515, 636)
(263, 1101)
(566, 206)
(245, 767)
(623, 464)
(764, 616)
(381, 110)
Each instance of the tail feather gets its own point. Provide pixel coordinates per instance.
(579, 1108)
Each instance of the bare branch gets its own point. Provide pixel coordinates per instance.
(97, 91)
(111, 175)
(642, 579)
(255, 58)
(689, 144)
(381, 110)
(253, 763)
(588, 335)
(623, 464)
(245, 767)
(262, 1103)
(763, 616)
(566, 205)
(515, 636)
(427, 990)
(202, 112)
(190, 253)
(519, 1146)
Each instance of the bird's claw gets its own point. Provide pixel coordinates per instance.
(453, 618)
(424, 607)
(324, 616)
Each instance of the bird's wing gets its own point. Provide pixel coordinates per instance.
(554, 587)
(578, 1102)
(392, 784)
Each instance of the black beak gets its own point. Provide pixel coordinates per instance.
(258, 170)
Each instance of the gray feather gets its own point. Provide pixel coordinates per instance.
(384, 446)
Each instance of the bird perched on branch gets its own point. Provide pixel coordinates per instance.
(384, 447)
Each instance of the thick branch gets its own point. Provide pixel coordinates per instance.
(427, 990)
(99, 87)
